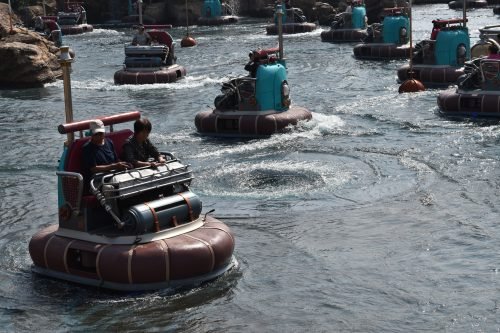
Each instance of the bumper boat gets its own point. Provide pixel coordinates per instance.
(439, 61)
(73, 20)
(486, 35)
(149, 64)
(388, 40)
(134, 230)
(478, 93)
(254, 105)
(459, 4)
(293, 21)
(348, 27)
(47, 26)
(215, 13)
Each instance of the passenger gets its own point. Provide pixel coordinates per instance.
(39, 24)
(137, 150)
(99, 153)
(142, 37)
(253, 64)
(493, 52)
(436, 28)
(348, 9)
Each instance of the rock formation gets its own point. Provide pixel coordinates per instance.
(324, 13)
(28, 59)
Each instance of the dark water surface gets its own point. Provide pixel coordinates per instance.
(377, 216)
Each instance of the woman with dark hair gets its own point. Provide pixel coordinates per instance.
(137, 150)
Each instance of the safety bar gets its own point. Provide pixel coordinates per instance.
(450, 21)
(108, 120)
(157, 26)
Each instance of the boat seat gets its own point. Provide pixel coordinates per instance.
(162, 37)
(74, 163)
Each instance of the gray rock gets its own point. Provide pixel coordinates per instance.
(28, 59)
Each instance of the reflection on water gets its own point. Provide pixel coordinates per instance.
(378, 215)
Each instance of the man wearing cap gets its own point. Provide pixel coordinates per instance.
(99, 153)
(141, 37)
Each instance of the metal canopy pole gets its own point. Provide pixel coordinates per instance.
(465, 12)
(65, 60)
(140, 10)
(279, 12)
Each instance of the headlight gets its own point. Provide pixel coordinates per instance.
(285, 94)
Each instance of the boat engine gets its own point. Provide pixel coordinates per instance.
(165, 189)
(145, 56)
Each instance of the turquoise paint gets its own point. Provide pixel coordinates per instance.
(212, 8)
(447, 42)
(392, 29)
(283, 17)
(358, 17)
(60, 167)
(268, 86)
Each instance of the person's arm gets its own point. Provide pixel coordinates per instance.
(115, 165)
(153, 152)
(109, 167)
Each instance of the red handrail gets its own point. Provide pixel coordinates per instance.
(450, 21)
(157, 26)
(107, 120)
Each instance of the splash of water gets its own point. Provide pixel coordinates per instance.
(234, 5)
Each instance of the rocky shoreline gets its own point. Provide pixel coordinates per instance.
(28, 59)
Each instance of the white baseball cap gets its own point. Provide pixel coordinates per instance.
(97, 126)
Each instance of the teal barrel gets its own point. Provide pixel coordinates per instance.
(269, 86)
(393, 28)
(450, 46)
(358, 17)
(212, 8)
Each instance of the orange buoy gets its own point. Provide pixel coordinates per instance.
(411, 85)
(188, 41)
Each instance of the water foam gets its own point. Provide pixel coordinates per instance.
(319, 126)
(101, 84)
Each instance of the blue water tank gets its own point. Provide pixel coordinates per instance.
(211, 8)
(269, 86)
(393, 28)
(450, 45)
(358, 17)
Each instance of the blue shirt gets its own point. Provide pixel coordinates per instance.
(94, 155)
